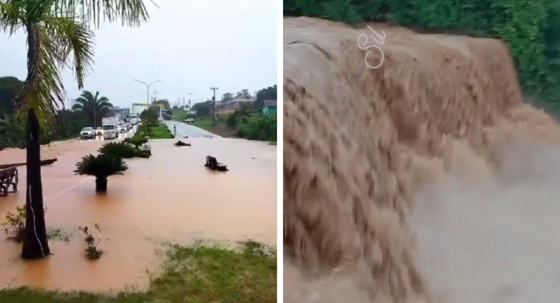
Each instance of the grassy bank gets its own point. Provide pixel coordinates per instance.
(252, 126)
(205, 123)
(161, 131)
(199, 273)
(219, 129)
(179, 114)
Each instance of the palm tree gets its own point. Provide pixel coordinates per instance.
(94, 107)
(58, 34)
(101, 167)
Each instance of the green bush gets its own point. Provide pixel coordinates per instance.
(14, 223)
(241, 133)
(262, 128)
(136, 140)
(160, 131)
(232, 119)
(149, 120)
(123, 150)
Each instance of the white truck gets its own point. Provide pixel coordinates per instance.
(110, 127)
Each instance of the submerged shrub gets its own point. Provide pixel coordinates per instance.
(120, 149)
(14, 223)
(100, 166)
(137, 141)
(92, 251)
(123, 150)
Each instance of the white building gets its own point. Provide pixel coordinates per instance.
(138, 108)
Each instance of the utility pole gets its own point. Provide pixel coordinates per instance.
(190, 94)
(154, 95)
(214, 105)
(148, 90)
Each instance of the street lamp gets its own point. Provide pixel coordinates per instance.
(148, 90)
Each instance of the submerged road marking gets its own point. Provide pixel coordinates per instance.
(65, 190)
(182, 133)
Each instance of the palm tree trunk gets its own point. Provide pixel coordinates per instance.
(35, 245)
(101, 185)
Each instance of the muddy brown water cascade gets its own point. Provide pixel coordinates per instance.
(424, 180)
(169, 197)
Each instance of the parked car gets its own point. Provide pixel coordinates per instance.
(87, 133)
(189, 120)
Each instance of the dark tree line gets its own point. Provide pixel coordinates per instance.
(68, 123)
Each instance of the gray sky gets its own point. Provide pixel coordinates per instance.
(192, 45)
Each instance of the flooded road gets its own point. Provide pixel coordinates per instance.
(184, 129)
(169, 197)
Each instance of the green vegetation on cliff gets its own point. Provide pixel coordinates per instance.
(530, 28)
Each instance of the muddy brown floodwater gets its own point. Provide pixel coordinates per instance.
(426, 180)
(169, 197)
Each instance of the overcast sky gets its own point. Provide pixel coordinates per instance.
(192, 45)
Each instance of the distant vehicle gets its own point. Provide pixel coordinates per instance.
(110, 131)
(110, 128)
(99, 131)
(87, 133)
(122, 127)
(189, 120)
(134, 120)
(110, 120)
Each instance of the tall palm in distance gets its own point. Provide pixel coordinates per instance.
(93, 106)
(58, 35)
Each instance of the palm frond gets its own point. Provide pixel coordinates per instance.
(100, 166)
(104, 104)
(77, 106)
(85, 98)
(43, 90)
(75, 39)
(10, 16)
(130, 12)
